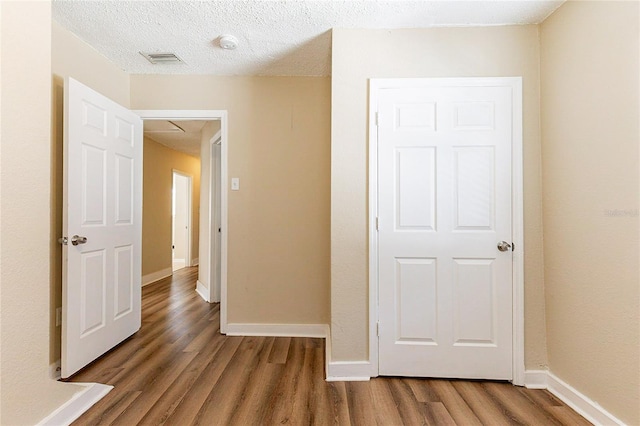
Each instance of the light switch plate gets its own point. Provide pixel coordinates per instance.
(235, 184)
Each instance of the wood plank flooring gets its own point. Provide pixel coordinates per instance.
(179, 370)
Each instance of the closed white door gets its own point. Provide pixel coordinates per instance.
(102, 220)
(444, 204)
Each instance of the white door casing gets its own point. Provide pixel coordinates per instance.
(102, 201)
(444, 189)
(206, 233)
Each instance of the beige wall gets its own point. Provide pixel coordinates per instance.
(158, 165)
(27, 392)
(589, 71)
(279, 147)
(71, 57)
(444, 52)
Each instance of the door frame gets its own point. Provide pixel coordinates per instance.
(517, 210)
(187, 257)
(208, 115)
(214, 235)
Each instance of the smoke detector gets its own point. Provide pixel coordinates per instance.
(228, 42)
(162, 58)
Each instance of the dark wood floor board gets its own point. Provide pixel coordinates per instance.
(279, 351)
(411, 410)
(201, 340)
(199, 335)
(231, 389)
(339, 402)
(386, 411)
(521, 407)
(541, 399)
(322, 409)
(179, 370)
(108, 415)
(567, 416)
(482, 405)
(360, 404)
(107, 366)
(437, 414)
(554, 407)
(288, 388)
(303, 401)
(258, 389)
(196, 396)
(422, 390)
(164, 407)
(457, 407)
(133, 377)
(154, 389)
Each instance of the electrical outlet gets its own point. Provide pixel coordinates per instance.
(58, 317)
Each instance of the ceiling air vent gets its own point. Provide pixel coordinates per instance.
(162, 58)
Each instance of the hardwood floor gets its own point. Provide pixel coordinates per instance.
(179, 370)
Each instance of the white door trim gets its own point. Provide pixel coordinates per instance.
(517, 211)
(208, 115)
(189, 177)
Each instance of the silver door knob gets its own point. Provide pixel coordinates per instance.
(504, 246)
(76, 239)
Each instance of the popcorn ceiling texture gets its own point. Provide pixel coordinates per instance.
(275, 37)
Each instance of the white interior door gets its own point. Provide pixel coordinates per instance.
(181, 214)
(444, 204)
(102, 221)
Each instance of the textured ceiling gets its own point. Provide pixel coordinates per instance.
(165, 133)
(275, 37)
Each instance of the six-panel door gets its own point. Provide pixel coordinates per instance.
(103, 203)
(444, 202)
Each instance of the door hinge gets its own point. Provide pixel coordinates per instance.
(378, 329)
(377, 223)
(377, 119)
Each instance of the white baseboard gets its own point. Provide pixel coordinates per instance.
(77, 405)
(536, 379)
(156, 276)
(280, 330)
(349, 371)
(202, 290)
(583, 405)
(344, 371)
(195, 262)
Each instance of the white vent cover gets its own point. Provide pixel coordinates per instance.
(162, 58)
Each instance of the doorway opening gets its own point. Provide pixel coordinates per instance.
(181, 220)
(212, 248)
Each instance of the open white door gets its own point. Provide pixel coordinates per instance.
(102, 224)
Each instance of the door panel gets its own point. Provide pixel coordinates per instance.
(102, 202)
(444, 202)
(474, 318)
(416, 294)
(416, 193)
